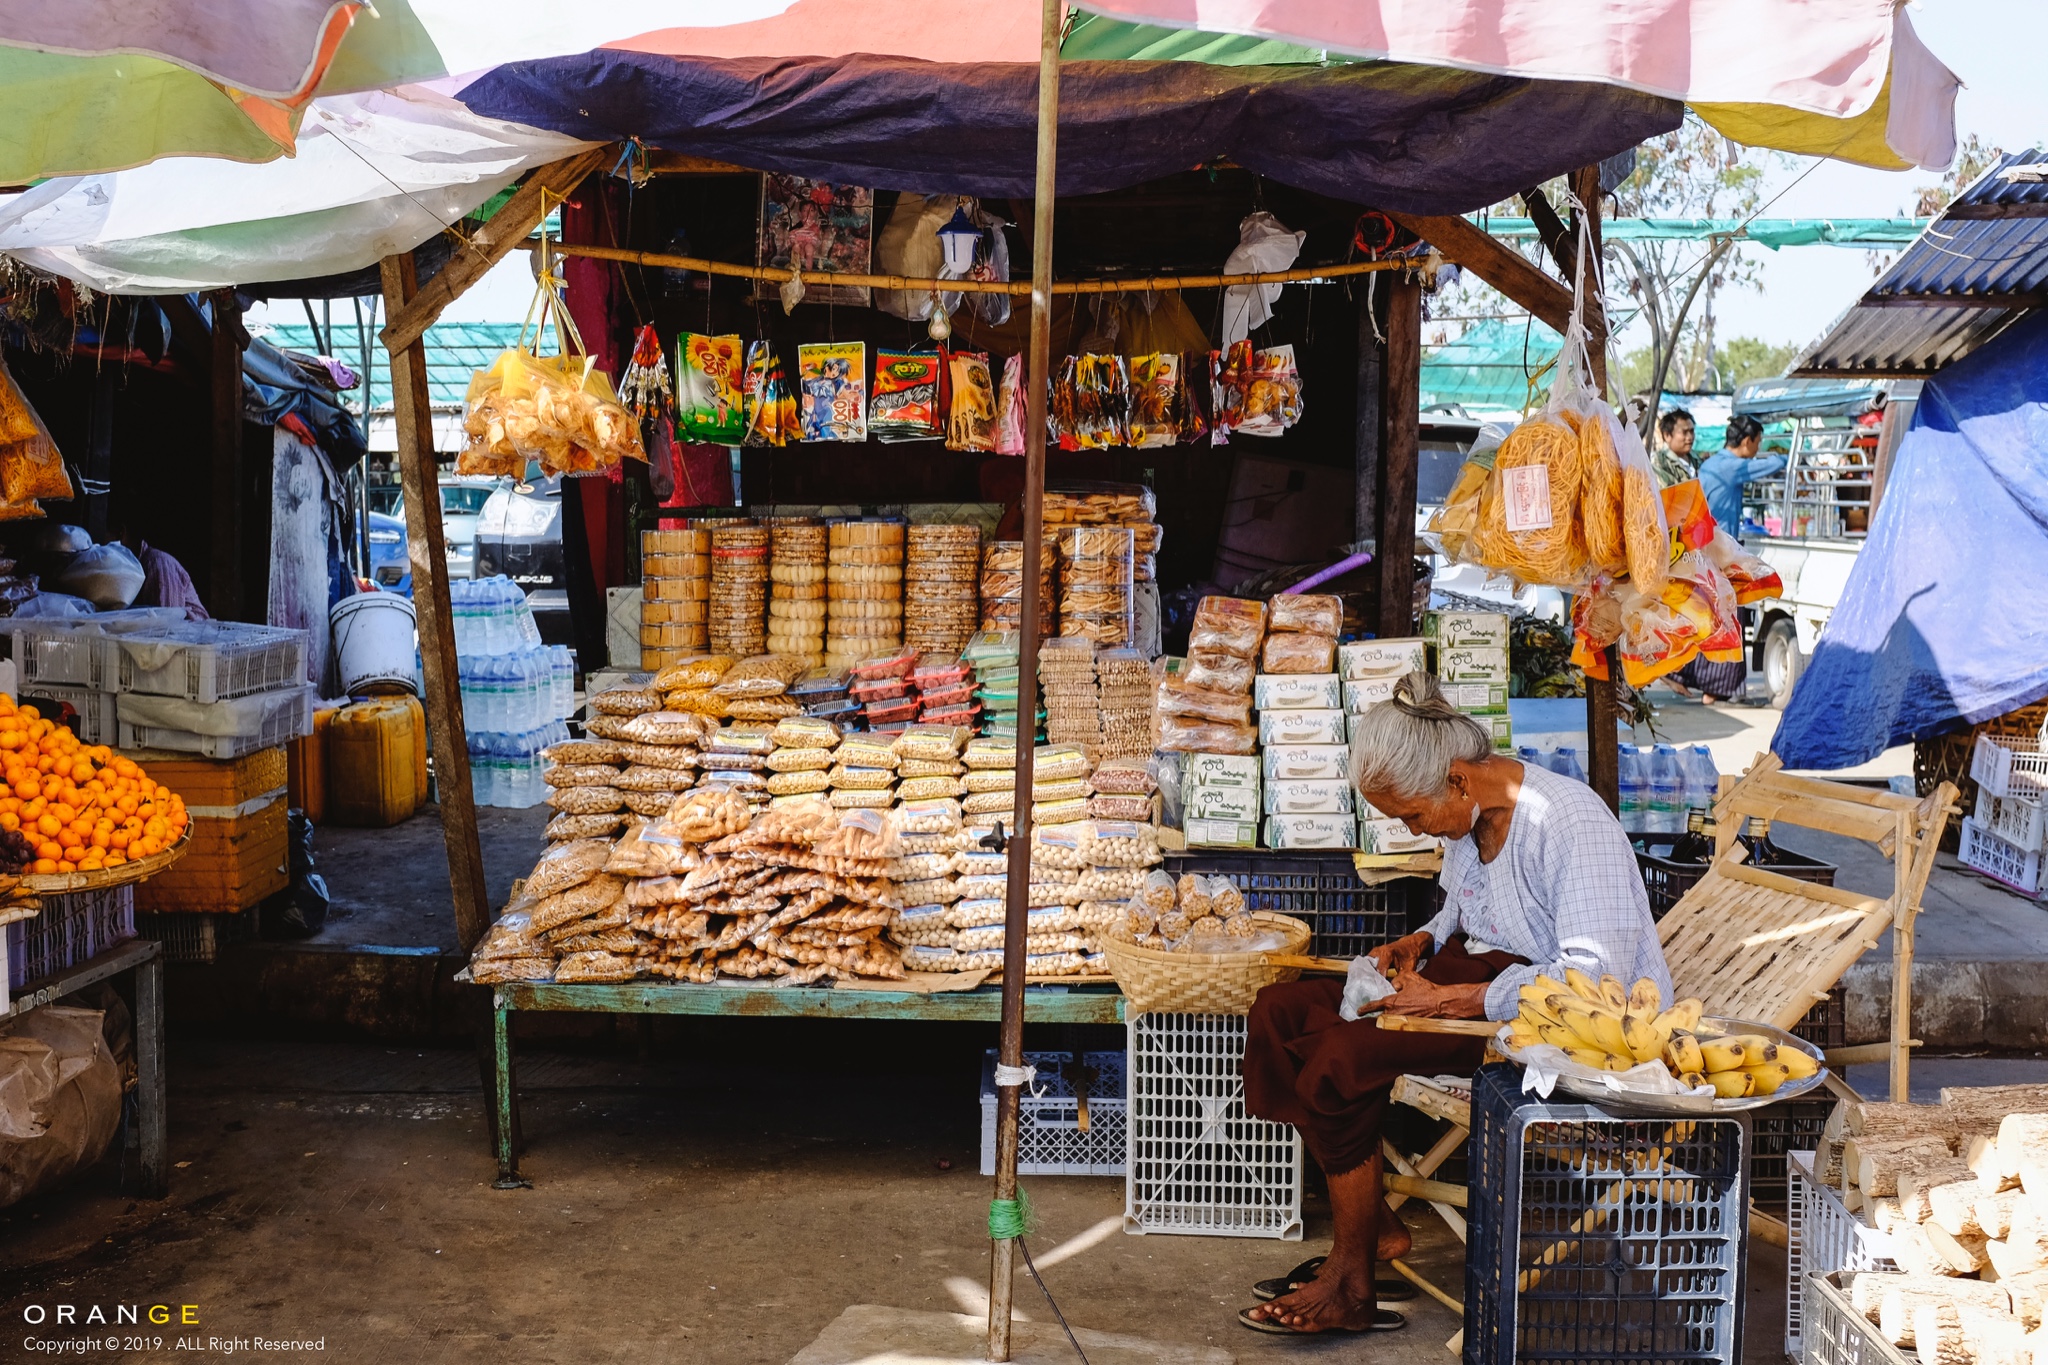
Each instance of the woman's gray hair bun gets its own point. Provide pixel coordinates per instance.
(1406, 746)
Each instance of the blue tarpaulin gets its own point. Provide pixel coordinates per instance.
(1945, 615)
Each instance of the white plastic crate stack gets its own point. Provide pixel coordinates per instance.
(220, 689)
(1056, 1133)
(516, 691)
(1196, 1161)
(2006, 835)
(1825, 1237)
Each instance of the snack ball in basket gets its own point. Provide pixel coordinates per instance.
(82, 806)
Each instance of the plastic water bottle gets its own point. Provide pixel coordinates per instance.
(480, 768)
(563, 683)
(1667, 791)
(1531, 756)
(1703, 779)
(1566, 764)
(1634, 794)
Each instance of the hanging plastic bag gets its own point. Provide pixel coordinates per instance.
(765, 395)
(1155, 390)
(1751, 579)
(1272, 393)
(30, 465)
(971, 422)
(1009, 438)
(906, 400)
(710, 407)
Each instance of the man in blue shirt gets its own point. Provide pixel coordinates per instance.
(1725, 471)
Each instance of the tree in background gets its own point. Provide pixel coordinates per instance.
(1973, 158)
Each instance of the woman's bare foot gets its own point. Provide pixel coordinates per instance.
(1335, 1300)
(1395, 1239)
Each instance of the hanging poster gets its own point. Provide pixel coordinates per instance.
(833, 378)
(817, 230)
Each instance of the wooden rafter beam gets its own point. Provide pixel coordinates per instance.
(1495, 262)
(508, 227)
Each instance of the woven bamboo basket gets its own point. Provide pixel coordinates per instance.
(1203, 983)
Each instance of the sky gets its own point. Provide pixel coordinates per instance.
(1993, 45)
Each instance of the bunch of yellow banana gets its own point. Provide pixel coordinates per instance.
(1599, 1025)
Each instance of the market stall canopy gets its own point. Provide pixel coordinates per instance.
(1865, 234)
(941, 97)
(1773, 400)
(1847, 79)
(1976, 269)
(99, 85)
(1945, 611)
(375, 174)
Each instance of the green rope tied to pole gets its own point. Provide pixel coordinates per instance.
(1009, 1218)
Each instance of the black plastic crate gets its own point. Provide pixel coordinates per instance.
(1595, 1238)
(1787, 1126)
(1324, 892)
(1668, 881)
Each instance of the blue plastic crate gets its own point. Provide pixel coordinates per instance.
(1597, 1238)
(71, 929)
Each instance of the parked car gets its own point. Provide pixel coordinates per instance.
(519, 535)
(462, 501)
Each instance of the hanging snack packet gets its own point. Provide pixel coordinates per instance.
(710, 407)
(1155, 392)
(1102, 394)
(765, 396)
(645, 387)
(971, 424)
(1272, 393)
(833, 378)
(906, 400)
(1194, 397)
(1010, 408)
(1231, 370)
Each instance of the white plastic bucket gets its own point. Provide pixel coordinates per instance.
(373, 642)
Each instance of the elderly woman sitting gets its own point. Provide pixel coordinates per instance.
(1538, 877)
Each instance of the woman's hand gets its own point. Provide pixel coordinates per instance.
(1428, 1000)
(1402, 954)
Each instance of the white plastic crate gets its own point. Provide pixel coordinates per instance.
(98, 722)
(2018, 820)
(2019, 868)
(208, 661)
(1050, 1138)
(2007, 766)
(65, 652)
(224, 729)
(1825, 1238)
(1839, 1335)
(1197, 1162)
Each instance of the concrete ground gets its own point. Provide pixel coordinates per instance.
(720, 1199)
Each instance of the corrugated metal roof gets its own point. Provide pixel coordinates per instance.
(1963, 281)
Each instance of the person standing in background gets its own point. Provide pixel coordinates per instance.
(1723, 473)
(1673, 460)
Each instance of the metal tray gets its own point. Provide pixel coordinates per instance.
(1584, 1085)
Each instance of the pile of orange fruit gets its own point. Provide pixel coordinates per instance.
(82, 806)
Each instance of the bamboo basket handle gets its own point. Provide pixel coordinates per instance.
(1412, 1023)
(1339, 965)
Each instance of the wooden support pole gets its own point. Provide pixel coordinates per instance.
(1399, 410)
(1603, 710)
(427, 548)
(508, 227)
(224, 592)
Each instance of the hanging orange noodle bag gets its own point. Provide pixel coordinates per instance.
(30, 465)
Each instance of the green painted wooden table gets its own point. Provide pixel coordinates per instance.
(1042, 1005)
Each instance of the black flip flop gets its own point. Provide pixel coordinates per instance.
(1386, 1291)
(1386, 1320)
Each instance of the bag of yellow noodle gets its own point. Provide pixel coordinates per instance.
(1528, 523)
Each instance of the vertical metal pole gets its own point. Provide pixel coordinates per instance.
(224, 588)
(149, 1076)
(1603, 711)
(1038, 368)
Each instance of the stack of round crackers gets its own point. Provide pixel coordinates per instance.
(675, 593)
(1066, 685)
(739, 589)
(1002, 586)
(796, 588)
(863, 591)
(1096, 583)
(940, 601)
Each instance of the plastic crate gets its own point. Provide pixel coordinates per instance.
(1776, 1131)
(2008, 765)
(67, 653)
(2019, 868)
(1599, 1238)
(1323, 891)
(98, 721)
(1825, 1238)
(1049, 1136)
(1839, 1335)
(2019, 820)
(286, 719)
(189, 937)
(1667, 881)
(71, 929)
(208, 660)
(1196, 1162)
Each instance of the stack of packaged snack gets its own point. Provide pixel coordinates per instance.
(1307, 800)
(1219, 798)
(825, 694)
(675, 595)
(636, 758)
(863, 773)
(796, 592)
(1096, 583)
(1122, 789)
(1370, 668)
(991, 778)
(945, 691)
(739, 589)
(1066, 680)
(1118, 504)
(864, 591)
(800, 762)
(928, 766)
(1191, 914)
(940, 602)
(1124, 695)
(1002, 587)
(883, 688)
(735, 759)
(1204, 706)
(1059, 784)
(993, 655)
(1472, 664)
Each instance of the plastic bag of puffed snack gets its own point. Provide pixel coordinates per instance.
(1059, 812)
(797, 783)
(566, 865)
(805, 732)
(1159, 895)
(1058, 844)
(626, 701)
(924, 788)
(1225, 900)
(941, 816)
(667, 727)
(990, 751)
(1123, 777)
(1119, 843)
(930, 741)
(580, 775)
(586, 800)
(1194, 897)
(923, 959)
(1057, 762)
(575, 752)
(564, 828)
(689, 674)
(865, 751)
(800, 760)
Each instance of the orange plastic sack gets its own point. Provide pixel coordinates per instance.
(30, 465)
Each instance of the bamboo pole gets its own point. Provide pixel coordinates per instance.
(1016, 915)
(1603, 708)
(1145, 284)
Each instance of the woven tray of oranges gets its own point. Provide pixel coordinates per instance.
(77, 817)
